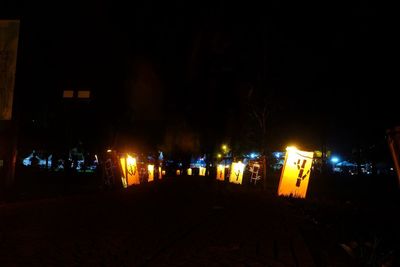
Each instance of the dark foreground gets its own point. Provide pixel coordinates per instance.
(193, 221)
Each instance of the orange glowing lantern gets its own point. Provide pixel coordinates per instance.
(150, 171)
(295, 173)
(129, 170)
(202, 171)
(236, 175)
(178, 172)
(162, 174)
(221, 172)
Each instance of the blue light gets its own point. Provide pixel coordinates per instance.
(277, 154)
(253, 155)
(334, 159)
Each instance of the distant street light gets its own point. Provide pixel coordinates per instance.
(224, 148)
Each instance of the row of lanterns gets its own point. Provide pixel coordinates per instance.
(294, 178)
(130, 171)
(293, 181)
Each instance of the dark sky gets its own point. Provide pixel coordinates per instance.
(327, 64)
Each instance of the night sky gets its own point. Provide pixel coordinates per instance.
(324, 66)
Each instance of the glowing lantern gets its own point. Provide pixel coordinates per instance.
(123, 178)
(163, 174)
(295, 173)
(150, 170)
(202, 171)
(189, 171)
(178, 172)
(221, 172)
(129, 169)
(236, 175)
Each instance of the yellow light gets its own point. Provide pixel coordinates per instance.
(130, 160)
(150, 170)
(178, 172)
(124, 184)
(219, 156)
(224, 147)
(236, 176)
(291, 148)
(221, 172)
(295, 173)
(109, 150)
(189, 171)
(123, 166)
(163, 173)
(202, 171)
(131, 172)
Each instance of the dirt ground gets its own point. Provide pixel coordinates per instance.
(193, 221)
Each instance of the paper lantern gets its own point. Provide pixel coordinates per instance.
(221, 172)
(129, 170)
(202, 171)
(150, 171)
(236, 175)
(162, 174)
(178, 172)
(295, 173)
(189, 171)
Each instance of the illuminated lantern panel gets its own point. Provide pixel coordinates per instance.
(123, 178)
(178, 172)
(202, 171)
(162, 174)
(236, 175)
(295, 173)
(189, 171)
(150, 170)
(130, 171)
(221, 172)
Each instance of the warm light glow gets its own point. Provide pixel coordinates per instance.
(178, 172)
(109, 150)
(124, 184)
(68, 94)
(131, 161)
(236, 176)
(291, 148)
(84, 94)
(123, 167)
(163, 173)
(202, 171)
(150, 170)
(221, 172)
(219, 156)
(224, 148)
(189, 171)
(129, 170)
(295, 173)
